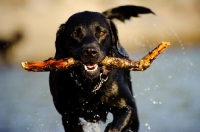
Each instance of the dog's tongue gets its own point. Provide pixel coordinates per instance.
(91, 66)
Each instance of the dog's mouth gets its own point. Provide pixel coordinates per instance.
(90, 67)
(92, 70)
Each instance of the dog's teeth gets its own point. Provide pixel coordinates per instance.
(96, 66)
(85, 67)
(91, 68)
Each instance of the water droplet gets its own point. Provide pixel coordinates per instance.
(169, 76)
(147, 89)
(155, 102)
(148, 126)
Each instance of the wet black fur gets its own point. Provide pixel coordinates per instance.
(115, 96)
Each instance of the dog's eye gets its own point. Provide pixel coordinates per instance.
(74, 34)
(101, 33)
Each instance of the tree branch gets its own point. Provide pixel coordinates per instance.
(64, 64)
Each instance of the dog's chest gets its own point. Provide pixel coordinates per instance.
(89, 104)
(88, 99)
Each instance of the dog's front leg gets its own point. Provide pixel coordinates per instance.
(122, 119)
(72, 124)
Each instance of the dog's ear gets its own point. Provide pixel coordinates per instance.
(59, 41)
(114, 32)
(123, 13)
(116, 44)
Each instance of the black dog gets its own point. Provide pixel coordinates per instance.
(91, 91)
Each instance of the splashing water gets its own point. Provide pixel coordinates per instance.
(148, 126)
(90, 127)
(173, 32)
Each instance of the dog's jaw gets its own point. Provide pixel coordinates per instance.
(91, 71)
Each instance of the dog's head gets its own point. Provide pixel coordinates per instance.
(88, 37)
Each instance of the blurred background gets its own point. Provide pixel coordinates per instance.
(167, 94)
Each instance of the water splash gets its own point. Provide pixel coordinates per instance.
(155, 102)
(90, 127)
(164, 22)
(148, 126)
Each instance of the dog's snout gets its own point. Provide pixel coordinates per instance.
(92, 52)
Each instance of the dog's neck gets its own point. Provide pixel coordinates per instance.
(91, 85)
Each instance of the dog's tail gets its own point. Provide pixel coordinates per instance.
(123, 13)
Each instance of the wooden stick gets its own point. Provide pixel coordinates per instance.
(64, 64)
(50, 65)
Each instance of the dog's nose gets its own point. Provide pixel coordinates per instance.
(90, 52)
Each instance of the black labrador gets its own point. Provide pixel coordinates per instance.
(91, 91)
